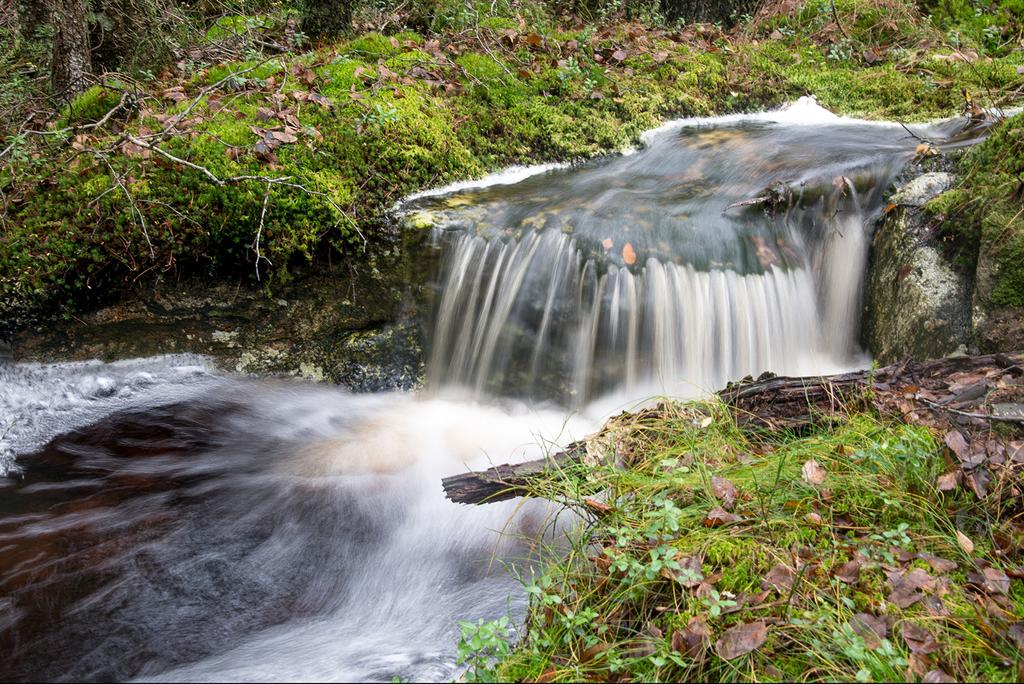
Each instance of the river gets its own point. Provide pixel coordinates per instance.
(161, 520)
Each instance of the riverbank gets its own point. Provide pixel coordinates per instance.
(707, 549)
(254, 170)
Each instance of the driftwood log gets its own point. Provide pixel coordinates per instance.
(956, 394)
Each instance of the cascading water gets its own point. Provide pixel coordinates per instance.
(161, 521)
(717, 251)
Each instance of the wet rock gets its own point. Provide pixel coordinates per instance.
(359, 325)
(917, 303)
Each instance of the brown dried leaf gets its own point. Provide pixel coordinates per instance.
(814, 518)
(939, 565)
(871, 628)
(724, 491)
(596, 506)
(990, 580)
(741, 639)
(620, 55)
(813, 473)
(955, 440)
(965, 542)
(693, 640)
(533, 40)
(321, 100)
(848, 573)
(918, 639)
(780, 578)
(906, 588)
(718, 516)
(696, 575)
(283, 137)
(659, 56)
(947, 482)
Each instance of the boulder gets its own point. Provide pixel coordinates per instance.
(917, 303)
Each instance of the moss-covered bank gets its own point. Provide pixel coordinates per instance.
(251, 169)
(981, 222)
(708, 553)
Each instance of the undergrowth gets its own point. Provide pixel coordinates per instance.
(704, 553)
(360, 123)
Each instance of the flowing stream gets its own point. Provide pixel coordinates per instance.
(160, 520)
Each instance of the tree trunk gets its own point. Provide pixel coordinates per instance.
(326, 19)
(71, 65)
(32, 15)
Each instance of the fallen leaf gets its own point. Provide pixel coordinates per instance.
(724, 491)
(906, 588)
(718, 516)
(692, 640)
(873, 629)
(936, 676)
(283, 137)
(628, 255)
(991, 580)
(947, 482)
(597, 506)
(965, 542)
(779, 578)
(695, 574)
(814, 519)
(659, 56)
(813, 473)
(547, 676)
(706, 423)
(1016, 633)
(533, 40)
(939, 565)
(848, 573)
(620, 55)
(934, 606)
(955, 440)
(925, 150)
(918, 639)
(741, 639)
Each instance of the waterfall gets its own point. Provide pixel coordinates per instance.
(709, 255)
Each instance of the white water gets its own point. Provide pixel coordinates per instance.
(206, 528)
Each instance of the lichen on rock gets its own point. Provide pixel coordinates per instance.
(917, 303)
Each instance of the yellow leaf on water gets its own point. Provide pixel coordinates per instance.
(628, 255)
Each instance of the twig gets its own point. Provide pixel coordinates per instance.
(119, 182)
(234, 180)
(982, 416)
(259, 232)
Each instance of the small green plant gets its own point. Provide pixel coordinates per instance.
(482, 644)
(717, 602)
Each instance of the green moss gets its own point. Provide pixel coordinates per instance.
(372, 46)
(92, 105)
(626, 599)
(384, 132)
(986, 215)
(236, 24)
